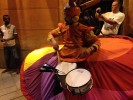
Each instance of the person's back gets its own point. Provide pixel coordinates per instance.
(79, 40)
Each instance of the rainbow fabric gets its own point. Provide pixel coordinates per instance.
(111, 69)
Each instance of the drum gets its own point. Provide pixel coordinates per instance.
(79, 81)
(63, 68)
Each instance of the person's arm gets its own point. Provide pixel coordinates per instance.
(55, 33)
(93, 41)
(112, 22)
(101, 17)
(1, 33)
(96, 42)
(88, 4)
(51, 37)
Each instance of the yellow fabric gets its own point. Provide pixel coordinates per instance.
(110, 48)
(36, 55)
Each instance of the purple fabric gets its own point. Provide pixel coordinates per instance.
(113, 80)
(41, 85)
(109, 83)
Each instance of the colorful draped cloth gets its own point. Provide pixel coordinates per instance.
(111, 69)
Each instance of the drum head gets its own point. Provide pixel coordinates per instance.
(65, 67)
(78, 77)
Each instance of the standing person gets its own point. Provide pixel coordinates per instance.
(112, 20)
(9, 36)
(79, 40)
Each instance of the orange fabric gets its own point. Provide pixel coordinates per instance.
(111, 48)
(111, 70)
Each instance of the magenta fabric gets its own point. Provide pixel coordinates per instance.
(113, 80)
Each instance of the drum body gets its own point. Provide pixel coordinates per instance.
(63, 68)
(79, 81)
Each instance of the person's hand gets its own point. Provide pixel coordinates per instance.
(95, 46)
(84, 52)
(98, 15)
(98, 12)
(3, 40)
(88, 51)
(56, 46)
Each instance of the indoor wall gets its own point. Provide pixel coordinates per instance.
(128, 22)
(35, 18)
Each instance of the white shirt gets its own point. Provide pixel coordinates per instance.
(8, 32)
(111, 29)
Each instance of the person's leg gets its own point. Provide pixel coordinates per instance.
(16, 58)
(7, 54)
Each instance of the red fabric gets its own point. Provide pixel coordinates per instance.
(111, 69)
(23, 85)
(112, 47)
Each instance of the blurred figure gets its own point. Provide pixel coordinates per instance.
(9, 36)
(112, 20)
(79, 40)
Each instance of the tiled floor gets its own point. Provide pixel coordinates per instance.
(10, 86)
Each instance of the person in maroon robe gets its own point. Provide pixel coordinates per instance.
(79, 40)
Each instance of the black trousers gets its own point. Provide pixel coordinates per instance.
(12, 57)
